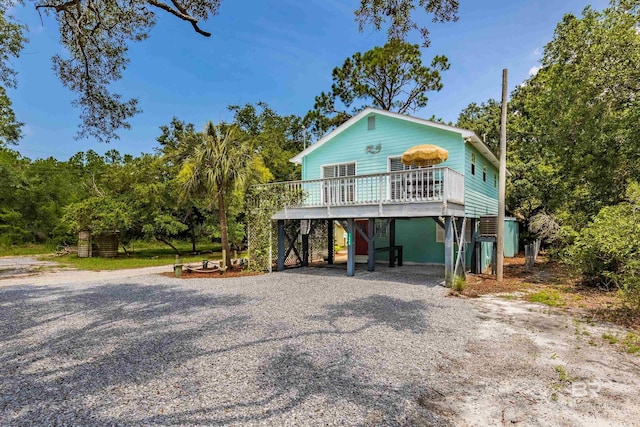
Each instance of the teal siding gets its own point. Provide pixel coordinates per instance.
(480, 197)
(418, 235)
(418, 239)
(395, 136)
(511, 243)
(511, 237)
(486, 255)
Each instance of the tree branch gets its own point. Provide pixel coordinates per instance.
(181, 13)
(60, 7)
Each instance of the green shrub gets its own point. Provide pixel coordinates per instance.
(459, 284)
(549, 297)
(607, 251)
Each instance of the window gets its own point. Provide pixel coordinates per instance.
(467, 233)
(384, 233)
(371, 122)
(473, 164)
(484, 173)
(338, 171)
(339, 191)
(396, 165)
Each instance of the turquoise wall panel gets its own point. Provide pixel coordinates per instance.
(486, 255)
(418, 239)
(481, 197)
(395, 136)
(511, 237)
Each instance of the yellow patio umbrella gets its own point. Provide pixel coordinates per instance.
(424, 155)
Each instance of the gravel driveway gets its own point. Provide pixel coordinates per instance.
(280, 349)
(303, 347)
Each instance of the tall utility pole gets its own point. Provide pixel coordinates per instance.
(502, 187)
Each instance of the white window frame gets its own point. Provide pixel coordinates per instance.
(355, 173)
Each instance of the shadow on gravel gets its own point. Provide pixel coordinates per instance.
(292, 376)
(428, 276)
(97, 339)
(382, 310)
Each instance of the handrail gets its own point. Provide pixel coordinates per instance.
(410, 186)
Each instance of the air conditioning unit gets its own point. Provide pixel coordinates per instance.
(489, 225)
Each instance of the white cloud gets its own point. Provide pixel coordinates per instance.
(534, 70)
(537, 52)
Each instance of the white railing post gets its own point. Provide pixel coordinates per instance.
(409, 186)
(380, 194)
(446, 184)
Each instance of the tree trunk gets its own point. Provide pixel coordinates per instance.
(224, 233)
(193, 239)
(166, 242)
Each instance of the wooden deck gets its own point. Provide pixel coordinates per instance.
(414, 193)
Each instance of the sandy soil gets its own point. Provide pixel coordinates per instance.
(21, 266)
(27, 269)
(532, 365)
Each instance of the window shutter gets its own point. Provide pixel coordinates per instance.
(439, 234)
(395, 164)
(350, 169)
(328, 172)
(371, 122)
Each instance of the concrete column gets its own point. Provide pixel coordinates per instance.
(371, 255)
(305, 250)
(281, 243)
(392, 242)
(448, 251)
(351, 247)
(494, 258)
(475, 247)
(331, 243)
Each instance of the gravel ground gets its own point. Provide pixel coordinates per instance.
(303, 347)
(280, 349)
(14, 266)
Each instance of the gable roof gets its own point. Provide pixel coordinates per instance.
(467, 135)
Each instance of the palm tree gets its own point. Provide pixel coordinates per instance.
(222, 163)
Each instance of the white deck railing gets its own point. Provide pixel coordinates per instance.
(413, 186)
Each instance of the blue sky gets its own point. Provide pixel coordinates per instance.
(280, 52)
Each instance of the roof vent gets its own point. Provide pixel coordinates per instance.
(371, 122)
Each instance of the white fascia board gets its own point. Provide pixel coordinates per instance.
(337, 131)
(485, 151)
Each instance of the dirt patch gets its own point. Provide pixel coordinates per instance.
(534, 365)
(214, 275)
(24, 266)
(552, 284)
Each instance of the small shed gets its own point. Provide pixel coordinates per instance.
(106, 244)
(511, 237)
(84, 244)
(489, 228)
